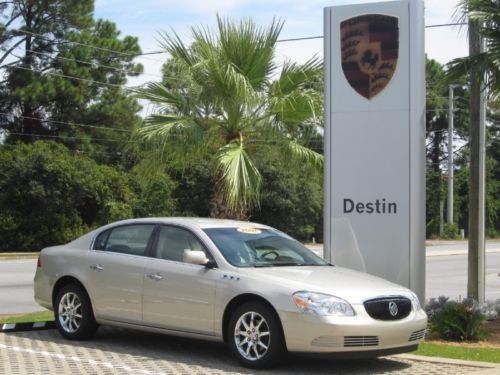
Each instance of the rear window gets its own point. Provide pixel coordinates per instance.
(128, 239)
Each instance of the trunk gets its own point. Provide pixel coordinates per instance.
(30, 125)
(220, 210)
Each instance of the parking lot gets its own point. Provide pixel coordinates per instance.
(120, 351)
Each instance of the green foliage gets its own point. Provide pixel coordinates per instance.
(458, 321)
(292, 199)
(450, 231)
(49, 196)
(487, 14)
(154, 196)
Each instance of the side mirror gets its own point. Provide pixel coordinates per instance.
(197, 257)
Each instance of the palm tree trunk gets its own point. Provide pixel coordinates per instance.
(220, 210)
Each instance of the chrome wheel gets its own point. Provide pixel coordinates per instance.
(252, 336)
(70, 312)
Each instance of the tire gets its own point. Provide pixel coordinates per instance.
(73, 312)
(246, 339)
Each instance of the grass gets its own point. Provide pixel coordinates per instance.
(458, 352)
(40, 316)
(18, 255)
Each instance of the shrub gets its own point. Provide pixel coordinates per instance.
(49, 196)
(458, 321)
(435, 305)
(450, 232)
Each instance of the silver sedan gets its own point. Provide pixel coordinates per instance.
(249, 285)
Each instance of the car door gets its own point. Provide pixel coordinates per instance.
(116, 270)
(178, 295)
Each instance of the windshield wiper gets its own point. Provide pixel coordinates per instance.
(263, 264)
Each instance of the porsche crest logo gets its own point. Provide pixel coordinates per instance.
(370, 45)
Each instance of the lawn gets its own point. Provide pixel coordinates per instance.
(459, 352)
(39, 316)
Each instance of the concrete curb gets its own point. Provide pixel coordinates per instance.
(487, 368)
(33, 326)
(438, 253)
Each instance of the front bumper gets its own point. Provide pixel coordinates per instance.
(325, 334)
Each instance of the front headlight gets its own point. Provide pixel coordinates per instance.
(415, 302)
(322, 304)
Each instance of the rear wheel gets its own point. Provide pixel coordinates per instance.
(255, 336)
(73, 312)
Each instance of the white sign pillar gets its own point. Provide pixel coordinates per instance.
(375, 140)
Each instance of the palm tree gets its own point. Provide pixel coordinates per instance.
(224, 100)
(487, 14)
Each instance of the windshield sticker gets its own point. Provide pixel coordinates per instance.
(249, 230)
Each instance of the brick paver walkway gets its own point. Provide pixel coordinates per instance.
(120, 351)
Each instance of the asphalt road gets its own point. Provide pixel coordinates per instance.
(446, 275)
(16, 286)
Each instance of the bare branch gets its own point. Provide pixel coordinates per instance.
(14, 46)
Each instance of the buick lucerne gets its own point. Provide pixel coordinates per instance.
(249, 285)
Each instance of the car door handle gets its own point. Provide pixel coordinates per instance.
(155, 276)
(97, 267)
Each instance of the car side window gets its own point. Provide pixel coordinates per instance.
(172, 242)
(100, 241)
(129, 239)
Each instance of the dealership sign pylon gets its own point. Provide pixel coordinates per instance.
(375, 139)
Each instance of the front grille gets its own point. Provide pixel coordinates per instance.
(350, 341)
(388, 308)
(417, 335)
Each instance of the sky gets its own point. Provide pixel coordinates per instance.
(303, 18)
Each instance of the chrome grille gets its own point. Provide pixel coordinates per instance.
(350, 341)
(327, 341)
(417, 335)
(380, 308)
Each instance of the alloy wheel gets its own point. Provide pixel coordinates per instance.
(70, 312)
(252, 336)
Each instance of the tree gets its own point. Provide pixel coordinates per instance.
(220, 103)
(436, 129)
(486, 13)
(64, 74)
(292, 198)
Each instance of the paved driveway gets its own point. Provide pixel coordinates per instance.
(120, 351)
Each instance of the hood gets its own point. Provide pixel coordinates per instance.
(352, 286)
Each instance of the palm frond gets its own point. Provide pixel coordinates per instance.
(249, 48)
(295, 76)
(160, 95)
(240, 178)
(304, 154)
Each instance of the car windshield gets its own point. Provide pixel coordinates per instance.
(260, 247)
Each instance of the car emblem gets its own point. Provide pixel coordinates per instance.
(393, 308)
(370, 50)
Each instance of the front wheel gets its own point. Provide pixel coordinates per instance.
(255, 336)
(73, 312)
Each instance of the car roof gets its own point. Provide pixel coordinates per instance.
(199, 222)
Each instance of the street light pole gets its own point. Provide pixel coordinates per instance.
(451, 112)
(476, 258)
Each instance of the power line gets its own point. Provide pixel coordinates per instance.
(66, 137)
(68, 76)
(128, 71)
(69, 123)
(65, 41)
(62, 40)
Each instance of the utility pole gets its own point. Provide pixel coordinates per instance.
(451, 113)
(475, 281)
